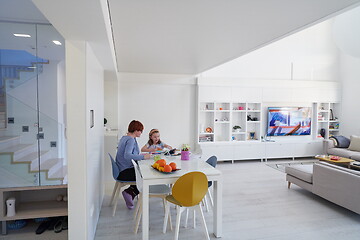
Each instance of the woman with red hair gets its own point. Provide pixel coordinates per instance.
(128, 149)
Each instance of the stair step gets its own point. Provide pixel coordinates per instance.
(46, 162)
(16, 148)
(58, 171)
(19, 150)
(5, 139)
(29, 157)
(8, 141)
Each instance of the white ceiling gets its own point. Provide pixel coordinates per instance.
(182, 37)
(189, 37)
(20, 11)
(15, 17)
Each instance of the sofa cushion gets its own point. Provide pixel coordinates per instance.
(354, 143)
(356, 156)
(341, 141)
(303, 172)
(342, 152)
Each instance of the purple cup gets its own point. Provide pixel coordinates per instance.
(185, 155)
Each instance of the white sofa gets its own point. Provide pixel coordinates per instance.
(337, 184)
(330, 149)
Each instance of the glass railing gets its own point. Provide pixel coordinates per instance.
(32, 148)
(23, 75)
(32, 141)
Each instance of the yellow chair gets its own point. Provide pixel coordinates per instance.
(187, 192)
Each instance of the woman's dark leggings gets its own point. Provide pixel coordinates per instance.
(129, 175)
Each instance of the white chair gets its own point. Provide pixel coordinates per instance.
(159, 191)
(118, 185)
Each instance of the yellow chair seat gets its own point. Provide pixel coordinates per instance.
(171, 199)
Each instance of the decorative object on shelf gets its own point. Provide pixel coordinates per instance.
(322, 132)
(236, 128)
(207, 107)
(331, 115)
(252, 135)
(249, 118)
(10, 207)
(255, 119)
(205, 139)
(209, 130)
(59, 198)
(241, 108)
(185, 152)
(220, 108)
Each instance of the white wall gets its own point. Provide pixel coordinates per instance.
(111, 100)
(347, 37)
(350, 75)
(84, 88)
(95, 139)
(311, 52)
(166, 102)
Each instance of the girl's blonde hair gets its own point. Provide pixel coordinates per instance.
(152, 131)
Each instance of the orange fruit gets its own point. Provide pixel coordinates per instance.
(155, 165)
(161, 162)
(173, 166)
(167, 168)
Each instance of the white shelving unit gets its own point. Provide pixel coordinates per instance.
(217, 121)
(327, 114)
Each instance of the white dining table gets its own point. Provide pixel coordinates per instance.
(153, 177)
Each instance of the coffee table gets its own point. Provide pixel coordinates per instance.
(356, 167)
(341, 161)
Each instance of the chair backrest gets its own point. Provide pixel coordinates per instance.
(138, 176)
(212, 161)
(190, 188)
(115, 168)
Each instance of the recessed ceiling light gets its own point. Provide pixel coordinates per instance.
(21, 35)
(57, 42)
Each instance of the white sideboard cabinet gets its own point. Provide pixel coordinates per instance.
(262, 150)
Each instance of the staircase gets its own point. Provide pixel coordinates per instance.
(27, 154)
(19, 160)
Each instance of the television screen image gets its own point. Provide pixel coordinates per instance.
(287, 121)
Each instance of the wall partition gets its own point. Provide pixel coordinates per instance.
(32, 103)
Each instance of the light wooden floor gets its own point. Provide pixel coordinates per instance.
(257, 205)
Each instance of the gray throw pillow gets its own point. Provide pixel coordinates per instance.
(354, 143)
(342, 142)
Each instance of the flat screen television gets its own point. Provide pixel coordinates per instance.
(288, 121)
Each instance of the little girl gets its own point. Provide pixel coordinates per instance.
(154, 143)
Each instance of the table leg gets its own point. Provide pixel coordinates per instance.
(218, 208)
(145, 211)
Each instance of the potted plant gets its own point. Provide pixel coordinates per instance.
(185, 152)
(236, 128)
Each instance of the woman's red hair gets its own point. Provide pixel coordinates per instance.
(135, 126)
